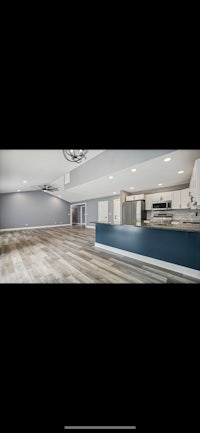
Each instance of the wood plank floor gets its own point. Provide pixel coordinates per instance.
(68, 255)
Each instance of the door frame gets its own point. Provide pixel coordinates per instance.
(81, 214)
(71, 207)
(114, 210)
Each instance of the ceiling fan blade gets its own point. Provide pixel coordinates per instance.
(52, 190)
(51, 187)
(46, 187)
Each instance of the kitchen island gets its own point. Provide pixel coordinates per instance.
(173, 248)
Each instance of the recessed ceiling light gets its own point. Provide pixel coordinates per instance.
(25, 181)
(60, 196)
(18, 190)
(167, 159)
(110, 177)
(180, 172)
(133, 169)
(132, 187)
(114, 192)
(160, 184)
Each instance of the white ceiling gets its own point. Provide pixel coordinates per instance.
(48, 166)
(36, 166)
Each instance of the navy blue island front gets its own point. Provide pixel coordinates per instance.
(178, 247)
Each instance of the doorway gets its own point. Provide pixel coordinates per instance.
(78, 214)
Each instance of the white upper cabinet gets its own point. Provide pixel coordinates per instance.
(149, 201)
(185, 198)
(140, 197)
(166, 196)
(135, 197)
(181, 199)
(198, 182)
(159, 197)
(176, 199)
(130, 197)
(156, 197)
(191, 188)
(195, 185)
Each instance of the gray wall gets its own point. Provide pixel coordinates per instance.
(92, 209)
(32, 209)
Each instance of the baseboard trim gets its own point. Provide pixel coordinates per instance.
(90, 227)
(166, 265)
(32, 228)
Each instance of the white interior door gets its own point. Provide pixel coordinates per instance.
(103, 211)
(116, 211)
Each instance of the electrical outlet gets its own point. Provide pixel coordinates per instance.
(26, 225)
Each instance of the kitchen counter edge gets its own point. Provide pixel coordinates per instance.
(181, 227)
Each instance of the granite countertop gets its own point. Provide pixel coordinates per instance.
(188, 227)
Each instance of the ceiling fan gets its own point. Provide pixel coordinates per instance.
(46, 187)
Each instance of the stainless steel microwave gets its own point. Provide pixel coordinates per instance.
(162, 205)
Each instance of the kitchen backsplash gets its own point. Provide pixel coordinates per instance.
(178, 215)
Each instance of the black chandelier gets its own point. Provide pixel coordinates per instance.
(74, 155)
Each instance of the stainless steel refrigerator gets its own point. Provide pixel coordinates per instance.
(133, 212)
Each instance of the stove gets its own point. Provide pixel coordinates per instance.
(162, 218)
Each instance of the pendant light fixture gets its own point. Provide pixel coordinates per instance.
(74, 155)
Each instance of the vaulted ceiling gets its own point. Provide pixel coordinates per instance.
(103, 173)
